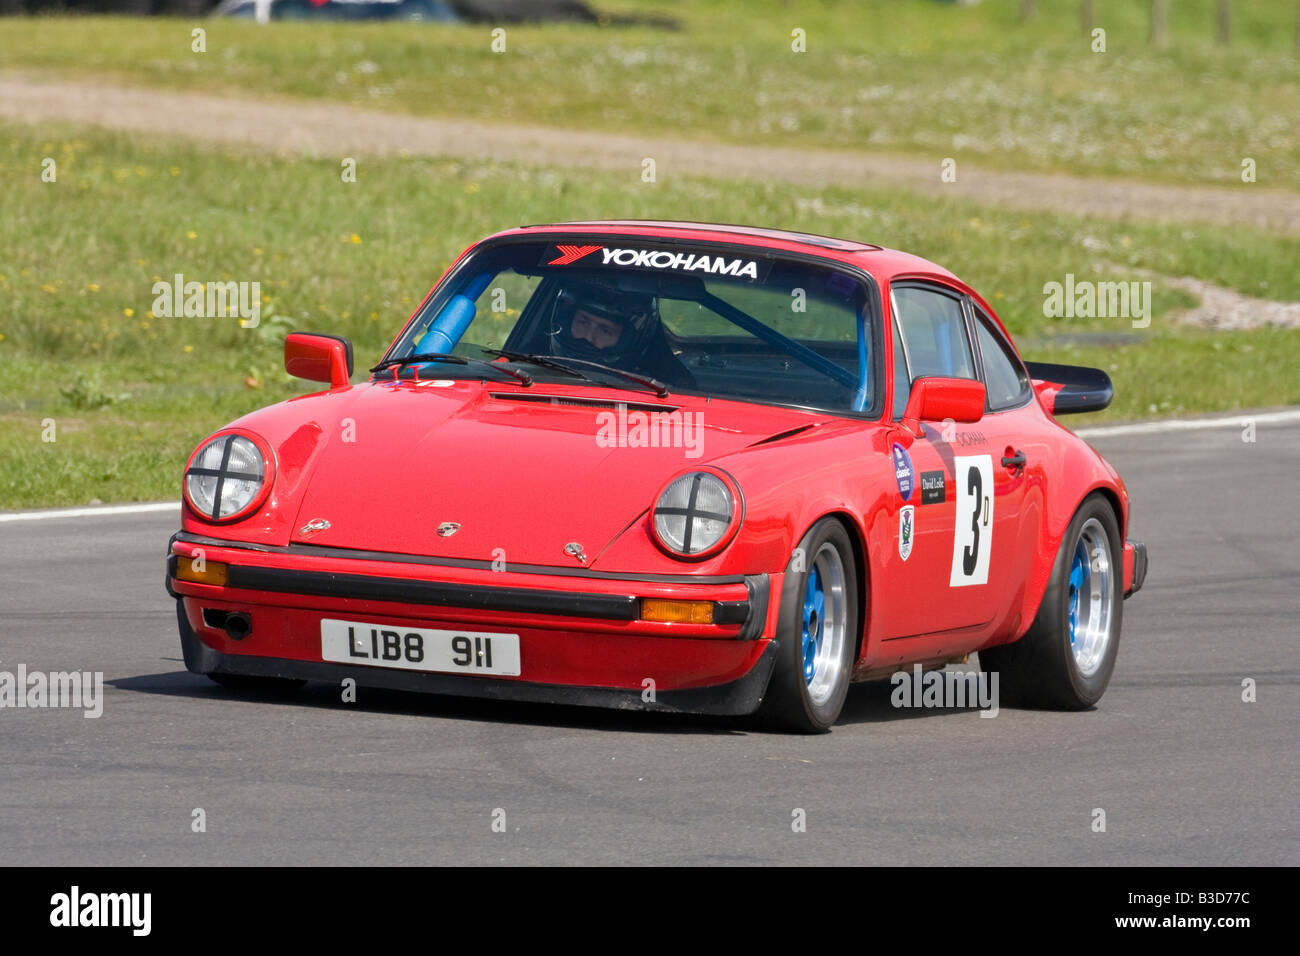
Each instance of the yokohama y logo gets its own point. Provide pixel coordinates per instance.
(661, 259)
(572, 254)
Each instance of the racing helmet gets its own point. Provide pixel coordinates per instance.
(637, 313)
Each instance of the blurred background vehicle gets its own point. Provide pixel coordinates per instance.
(432, 10)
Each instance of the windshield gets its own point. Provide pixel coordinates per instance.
(724, 321)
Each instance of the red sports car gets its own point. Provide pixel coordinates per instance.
(665, 466)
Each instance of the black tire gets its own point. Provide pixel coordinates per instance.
(256, 685)
(1040, 669)
(789, 704)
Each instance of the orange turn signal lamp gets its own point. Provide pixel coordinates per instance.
(677, 612)
(199, 571)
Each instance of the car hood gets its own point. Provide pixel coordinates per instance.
(522, 473)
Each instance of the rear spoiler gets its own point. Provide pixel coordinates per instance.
(1069, 389)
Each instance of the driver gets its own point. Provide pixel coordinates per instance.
(622, 329)
(601, 333)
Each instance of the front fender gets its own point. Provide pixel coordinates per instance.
(787, 486)
(297, 430)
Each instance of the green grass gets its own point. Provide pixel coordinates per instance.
(130, 395)
(894, 76)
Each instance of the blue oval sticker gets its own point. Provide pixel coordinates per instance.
(903, 471)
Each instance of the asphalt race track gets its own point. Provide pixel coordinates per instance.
(1186, 772)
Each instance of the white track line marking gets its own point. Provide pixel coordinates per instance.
(1189, 424)
(92, 512)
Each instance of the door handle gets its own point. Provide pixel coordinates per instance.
(1016, 461)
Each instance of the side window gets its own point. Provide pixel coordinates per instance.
(934, 335)
(1004, 378)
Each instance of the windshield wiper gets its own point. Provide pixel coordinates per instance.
(543, 360)
(658, 387)
(522, 378)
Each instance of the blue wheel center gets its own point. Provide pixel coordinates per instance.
(1080, 572)
(814, 607)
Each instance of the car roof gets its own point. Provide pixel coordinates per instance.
(877, 260)
(666, 225)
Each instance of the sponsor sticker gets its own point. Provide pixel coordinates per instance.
(934, 490)
(671, 260)
(906, 526)
(903, 471)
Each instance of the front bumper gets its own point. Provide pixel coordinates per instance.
(734, 698)
(581, 638)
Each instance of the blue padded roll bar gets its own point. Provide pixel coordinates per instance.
(453, 319)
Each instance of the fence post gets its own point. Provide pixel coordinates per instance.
(1225, 21)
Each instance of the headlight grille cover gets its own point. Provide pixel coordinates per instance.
(225, 477)
(693, 513)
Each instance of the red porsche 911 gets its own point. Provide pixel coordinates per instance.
(665, 466)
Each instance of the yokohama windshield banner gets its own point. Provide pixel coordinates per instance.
(700, 262)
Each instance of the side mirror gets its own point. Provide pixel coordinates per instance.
(937, 399)
(318, 358)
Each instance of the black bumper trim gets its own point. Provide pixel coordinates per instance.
(751, 614)
(736, 698)
(365, 587)
(760, 592)
(1139, 567)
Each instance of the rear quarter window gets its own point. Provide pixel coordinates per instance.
(1004, 379)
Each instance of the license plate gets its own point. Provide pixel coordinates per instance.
(419, 649)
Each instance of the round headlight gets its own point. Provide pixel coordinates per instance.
(696, 514)
(226, 478)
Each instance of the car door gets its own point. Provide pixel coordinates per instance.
(1017, 440)
(956, 509)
